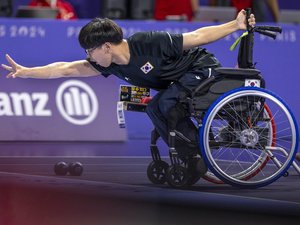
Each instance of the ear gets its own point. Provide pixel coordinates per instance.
(107, 47)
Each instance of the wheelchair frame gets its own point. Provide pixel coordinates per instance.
(243, 141)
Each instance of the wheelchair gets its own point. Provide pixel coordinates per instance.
(248, 134)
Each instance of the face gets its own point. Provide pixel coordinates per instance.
(101, 55)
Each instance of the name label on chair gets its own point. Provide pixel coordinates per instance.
(135, 94)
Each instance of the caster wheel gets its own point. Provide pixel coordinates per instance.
(156, 172)
(61, 168)
(286, 174)
(75, 169)
(177, 176)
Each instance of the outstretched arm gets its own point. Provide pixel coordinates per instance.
(80, 68)
(210, 34)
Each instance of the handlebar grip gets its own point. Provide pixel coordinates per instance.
(248, 13)
(267, 33)
(270, 28)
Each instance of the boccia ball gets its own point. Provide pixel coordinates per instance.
(75, 168)
(61, 168)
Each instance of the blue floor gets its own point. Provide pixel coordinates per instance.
(114, 189)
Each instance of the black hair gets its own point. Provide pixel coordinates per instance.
(98, 31)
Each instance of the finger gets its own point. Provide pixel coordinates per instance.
(10, 60)
(11, 75)
(251, 17)
(9, 68)
(251, 20)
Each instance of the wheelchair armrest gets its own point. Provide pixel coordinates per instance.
(237, 71)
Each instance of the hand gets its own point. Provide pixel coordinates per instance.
(14, 69)
(241, 20)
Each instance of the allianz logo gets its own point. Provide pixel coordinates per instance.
(75, 100)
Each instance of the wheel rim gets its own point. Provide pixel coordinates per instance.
(254, 174)
(177, 176)
(157, 172)
(258, 166)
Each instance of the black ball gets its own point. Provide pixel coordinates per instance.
(75, 168)
(61, 168)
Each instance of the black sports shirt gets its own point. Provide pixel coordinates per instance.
(157, 59)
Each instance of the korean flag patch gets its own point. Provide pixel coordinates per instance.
(252, 83)
(147, 67)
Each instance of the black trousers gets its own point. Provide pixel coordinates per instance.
(159, 107)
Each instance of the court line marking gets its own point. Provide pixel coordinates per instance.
(78, 156)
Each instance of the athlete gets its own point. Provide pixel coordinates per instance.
(162, 61)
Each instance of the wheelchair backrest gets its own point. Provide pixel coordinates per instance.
(225, 80)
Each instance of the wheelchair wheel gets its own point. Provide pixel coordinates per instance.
(238, 139)
(258, 166)
(156, 171)
(177, 176)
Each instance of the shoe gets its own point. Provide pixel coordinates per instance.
(200, 165)
(196, 168)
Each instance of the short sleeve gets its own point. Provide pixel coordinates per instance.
(157, 43)
(170, 44)
(104, 71)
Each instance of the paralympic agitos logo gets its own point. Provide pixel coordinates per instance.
(75, 100)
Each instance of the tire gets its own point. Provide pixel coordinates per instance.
(177, 176)
(242, 159)
(156, 171)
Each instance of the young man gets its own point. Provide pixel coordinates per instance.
(170, 63)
